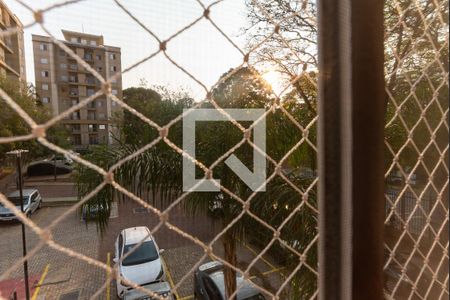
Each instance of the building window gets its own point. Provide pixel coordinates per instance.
(45, 100)
(114, 92)
(44, 73)
(112, 56)
(93, 43)
(93, 139)
(99, 103)
(74, 102)
(74, 40)
(98, 57)
(73, 66)
(114, 103)
(63, 66)
(99, 69)
(84, 42)
(44, 61)
(75, 115)
(63, 77)
(101, 116)
(91, 104)
(43, 47)
(62, 52)
(91, 115)
(92, 127)
(76, 139)
(73, 92)
(90, 92)
(88, 56)
(75, 127)
(45, 87)
(102, 127)
(113, 68)
(114, 80)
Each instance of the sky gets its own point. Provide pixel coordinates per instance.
(202, 49)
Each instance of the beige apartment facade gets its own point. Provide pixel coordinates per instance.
(12, 54)
(62, 83)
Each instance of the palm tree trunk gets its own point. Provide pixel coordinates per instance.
(229, 247)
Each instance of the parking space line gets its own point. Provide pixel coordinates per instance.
(273, 268)
(108, 274)
(273, 271)
(41, 280)
(262, 257)
(169, 276)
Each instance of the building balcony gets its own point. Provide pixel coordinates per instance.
(5, 46)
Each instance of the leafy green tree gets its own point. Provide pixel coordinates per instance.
(13, 125)
(158, 170)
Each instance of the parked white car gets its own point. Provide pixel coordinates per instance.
(32, 200)
(142, 266)
(160, 288)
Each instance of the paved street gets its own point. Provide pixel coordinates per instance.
(181, 254)
(64, 273)
(58, 274)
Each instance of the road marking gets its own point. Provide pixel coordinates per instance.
(262, 257)
(273, 268)
(169, 276)
(273, 271)
(108, 275)
(38, 288)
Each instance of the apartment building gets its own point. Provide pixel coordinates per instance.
(61, 83)
(12, 54)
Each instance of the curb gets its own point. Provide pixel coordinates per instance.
(63, 201)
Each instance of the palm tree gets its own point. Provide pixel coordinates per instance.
(159, 171)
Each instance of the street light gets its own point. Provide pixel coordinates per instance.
(18, 154)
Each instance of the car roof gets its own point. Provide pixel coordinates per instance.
(135, 235)
(214, 270)
(25, 193)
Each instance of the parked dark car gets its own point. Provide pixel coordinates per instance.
(209, 284)
(45, 168)
(91, 212)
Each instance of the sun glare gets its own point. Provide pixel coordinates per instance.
(273, 79)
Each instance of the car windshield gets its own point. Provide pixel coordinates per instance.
(16, 200)
(144, 253)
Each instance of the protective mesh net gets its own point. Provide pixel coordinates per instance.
(416, 248)
(416, 43)
(303, 252)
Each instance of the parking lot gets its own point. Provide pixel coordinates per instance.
(64, 274)
(54, 274)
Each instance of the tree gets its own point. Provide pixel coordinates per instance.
(292, 50)
(416, 51)
(13, 125)
(159, 171)
(416, 61)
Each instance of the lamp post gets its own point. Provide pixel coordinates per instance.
(18, 154)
